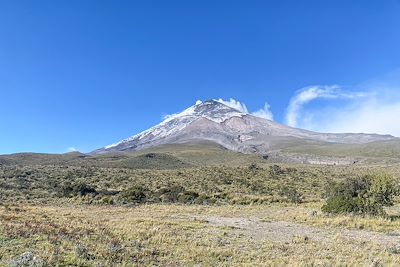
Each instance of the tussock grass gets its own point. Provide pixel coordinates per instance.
(167, 235)
(58, 215)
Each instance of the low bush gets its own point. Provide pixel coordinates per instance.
(69, 189)
(366, 194)
(107, 200)
(339, 204)
(170, 193)
(291, 194)
(187, 197)
(275, 171)
(134, 194)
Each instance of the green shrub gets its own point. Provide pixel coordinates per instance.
(65, 190)
(69, 189)
(188, 197)
(170, 193)
(83, 189)
(275, 171)
(383, 189)
(253, 167)
(291, 194)
(203, 200)
(338, 204)
(107, 200)
(366, 194)
(135, 194)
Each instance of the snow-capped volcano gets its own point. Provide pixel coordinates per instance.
(214, 121)
(211, 110)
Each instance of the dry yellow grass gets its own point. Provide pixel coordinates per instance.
(179, 235)
(253, 222)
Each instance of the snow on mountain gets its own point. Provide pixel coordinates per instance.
(234, 129)
(211, 110)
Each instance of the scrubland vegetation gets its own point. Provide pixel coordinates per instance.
(251, 215)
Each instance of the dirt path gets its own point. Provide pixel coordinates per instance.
(280, 231)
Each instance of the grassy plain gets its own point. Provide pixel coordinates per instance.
(195, 235)
(181, 210)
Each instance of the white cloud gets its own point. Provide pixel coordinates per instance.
(264, 113)
(72, 149)
(234, 104)
(374, 111)
(308, 94)
(368, 116)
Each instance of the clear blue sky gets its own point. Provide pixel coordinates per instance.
(88, 73)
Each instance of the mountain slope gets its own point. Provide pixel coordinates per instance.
(215, 122)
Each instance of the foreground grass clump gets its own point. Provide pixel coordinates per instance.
(366, 194)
